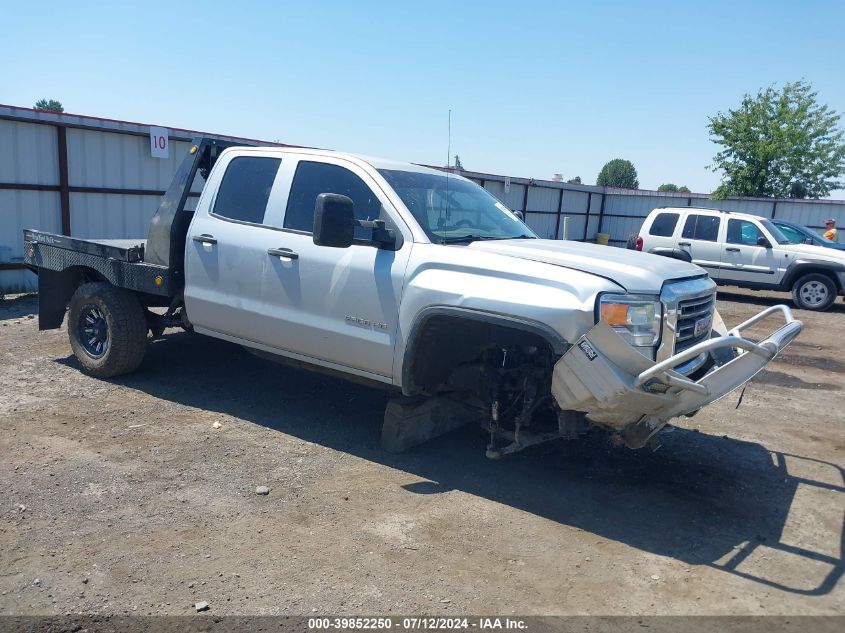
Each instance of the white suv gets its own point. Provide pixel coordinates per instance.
(738, 249)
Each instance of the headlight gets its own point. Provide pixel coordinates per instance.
(636, 318)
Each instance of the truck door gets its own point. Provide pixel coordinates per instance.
(226, 248)
(339, 306)
(745, 260)
(700, 238)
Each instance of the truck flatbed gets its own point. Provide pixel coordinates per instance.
(121, 262)
(131, 250)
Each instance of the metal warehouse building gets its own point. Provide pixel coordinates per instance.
(93, 177)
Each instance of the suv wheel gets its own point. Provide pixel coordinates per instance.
(814, 292)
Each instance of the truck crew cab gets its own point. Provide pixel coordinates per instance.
(411, 278)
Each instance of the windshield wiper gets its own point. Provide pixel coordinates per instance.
(466, 239)
(461, 239)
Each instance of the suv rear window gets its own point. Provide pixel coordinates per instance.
(702, 227)
(664, 224)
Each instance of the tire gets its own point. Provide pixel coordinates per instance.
(107, 328)
(814, 292)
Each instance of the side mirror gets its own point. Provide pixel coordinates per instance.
(520, 215)
(762, 241)
(334, 221)
(808, 240)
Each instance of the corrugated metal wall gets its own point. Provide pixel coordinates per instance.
(620, 212)
(113, 188)
(113, 184)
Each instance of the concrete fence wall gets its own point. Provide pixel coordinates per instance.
(93, 177)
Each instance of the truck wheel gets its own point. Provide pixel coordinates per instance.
(107, 329)
(814, 292)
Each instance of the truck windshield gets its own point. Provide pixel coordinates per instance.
(453, 210)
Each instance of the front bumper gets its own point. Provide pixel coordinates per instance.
(619, 388)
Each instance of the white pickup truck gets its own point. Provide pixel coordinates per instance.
(412, 278)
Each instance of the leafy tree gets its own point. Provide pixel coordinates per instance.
(618, 173)
(574, 181)
(49, 105)
(671, 187)
(458, 165)
(780, 143)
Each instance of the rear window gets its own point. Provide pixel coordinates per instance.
(245, 189)
(702, 227)
(664, 224)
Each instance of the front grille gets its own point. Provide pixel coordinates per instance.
(690, 311)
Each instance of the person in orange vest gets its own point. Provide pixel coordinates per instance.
(830, 229)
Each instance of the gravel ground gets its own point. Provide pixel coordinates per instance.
(121, 497)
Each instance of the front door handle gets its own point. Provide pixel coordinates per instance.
(205, 238)
(284, 253)
(732, 250)
(684, 244)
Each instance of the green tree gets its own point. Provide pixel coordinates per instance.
(671, 187)
(574, 181)
(49, 105)
(618, 173)
(780, 143)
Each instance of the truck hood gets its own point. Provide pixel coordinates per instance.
(636, 272)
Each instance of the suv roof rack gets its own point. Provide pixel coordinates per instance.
(701, 208)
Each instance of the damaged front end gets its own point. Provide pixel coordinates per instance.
(622, 390)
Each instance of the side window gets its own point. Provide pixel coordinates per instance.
(702, 227)
(743, 232)
(311, 179)
(664, 224)
(245, 189)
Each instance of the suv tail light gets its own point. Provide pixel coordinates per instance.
(639, 245)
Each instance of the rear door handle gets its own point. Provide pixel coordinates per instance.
(732, 250)
(684, 244)
(284, 253)
(205, 238)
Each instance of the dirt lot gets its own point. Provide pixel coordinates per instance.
(120, 497)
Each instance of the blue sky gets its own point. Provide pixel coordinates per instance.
(534, 87)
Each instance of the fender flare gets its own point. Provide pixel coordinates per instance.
(546, 332)
(800, 267)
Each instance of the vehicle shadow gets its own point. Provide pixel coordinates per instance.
(701, 499)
